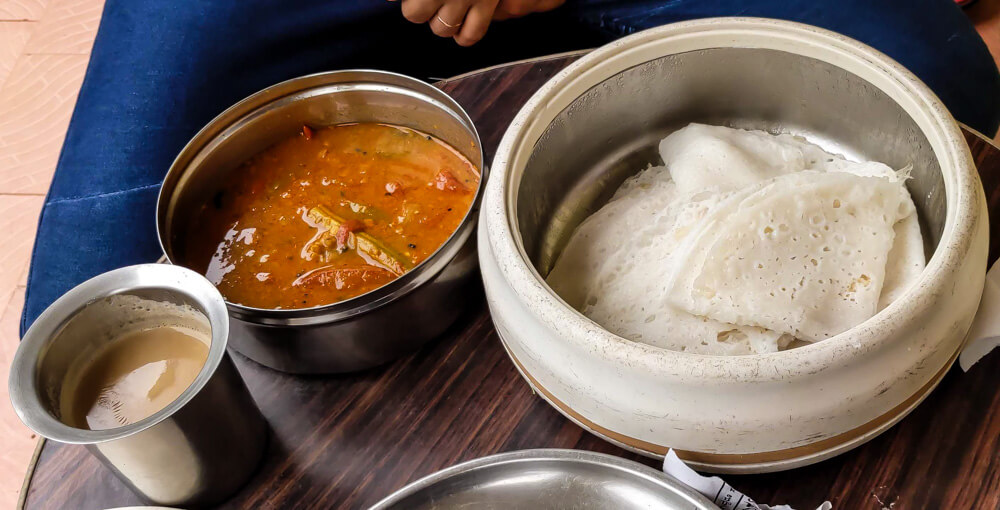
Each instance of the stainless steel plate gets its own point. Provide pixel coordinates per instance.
(546, 479)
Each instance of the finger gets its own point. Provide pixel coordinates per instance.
(508, 9)
(548, 5)
(476, 22)
(449, 19)
(419, 11)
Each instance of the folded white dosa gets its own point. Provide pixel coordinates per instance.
(803, 253)
(672, 260)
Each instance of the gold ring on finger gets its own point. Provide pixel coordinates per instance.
(449, 25)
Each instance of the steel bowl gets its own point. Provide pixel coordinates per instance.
(547, 479)
(598, 121)
(196, 451)
(367, 330)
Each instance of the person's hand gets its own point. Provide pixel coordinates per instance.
(507, 9)
(464, 20)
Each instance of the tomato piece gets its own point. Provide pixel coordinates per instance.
(445, 181)
(344, 231)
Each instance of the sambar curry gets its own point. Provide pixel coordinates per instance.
(330, 214)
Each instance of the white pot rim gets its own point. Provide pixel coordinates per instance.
(964, 197)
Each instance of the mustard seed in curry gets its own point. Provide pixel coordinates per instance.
(330, 214)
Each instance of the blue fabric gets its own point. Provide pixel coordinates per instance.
(161, 69)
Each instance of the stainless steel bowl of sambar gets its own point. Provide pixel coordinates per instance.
(375, 327)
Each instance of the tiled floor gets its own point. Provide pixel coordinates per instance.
(44, 47)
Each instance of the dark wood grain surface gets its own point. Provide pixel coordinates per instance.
(348, 441)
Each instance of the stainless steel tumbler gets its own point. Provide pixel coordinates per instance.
(201, 447)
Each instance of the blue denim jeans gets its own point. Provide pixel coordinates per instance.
(160, 69)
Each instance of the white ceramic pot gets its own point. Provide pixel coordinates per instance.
(596, 122)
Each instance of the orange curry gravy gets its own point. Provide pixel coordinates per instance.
(330, 214)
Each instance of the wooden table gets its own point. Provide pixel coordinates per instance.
(348, 441)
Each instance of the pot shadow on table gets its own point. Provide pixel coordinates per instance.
(352, 439)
